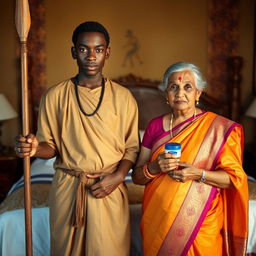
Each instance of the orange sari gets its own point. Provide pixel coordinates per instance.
(193, 218)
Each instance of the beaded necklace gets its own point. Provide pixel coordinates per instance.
(75, 80)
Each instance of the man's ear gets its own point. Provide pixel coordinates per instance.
(73, 52)
(108, 52)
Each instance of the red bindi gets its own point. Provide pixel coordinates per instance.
(179, 78)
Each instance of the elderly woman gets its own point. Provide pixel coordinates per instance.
(195, 204)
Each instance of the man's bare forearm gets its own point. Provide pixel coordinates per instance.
(44, 150)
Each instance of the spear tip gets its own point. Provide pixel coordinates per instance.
(22, 19)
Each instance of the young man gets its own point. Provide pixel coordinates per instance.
(91, 125)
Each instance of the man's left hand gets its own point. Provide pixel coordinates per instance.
(107, 184)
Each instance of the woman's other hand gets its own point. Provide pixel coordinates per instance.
(218, 178)
(185, 172)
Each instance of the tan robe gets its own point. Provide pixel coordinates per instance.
(89, 144)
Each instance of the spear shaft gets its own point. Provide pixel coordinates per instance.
(23, 22)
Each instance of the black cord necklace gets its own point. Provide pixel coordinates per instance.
(75, 80)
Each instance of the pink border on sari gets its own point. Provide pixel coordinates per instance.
(224, 140)
(212, 195)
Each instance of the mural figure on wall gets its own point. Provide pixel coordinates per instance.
(132, 52)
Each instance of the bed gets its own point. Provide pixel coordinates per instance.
(151, 103)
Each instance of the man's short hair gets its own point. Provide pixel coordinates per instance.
(90, 26)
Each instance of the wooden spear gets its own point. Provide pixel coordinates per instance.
(22, 19)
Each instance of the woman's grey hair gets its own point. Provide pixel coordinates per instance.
(181, 66)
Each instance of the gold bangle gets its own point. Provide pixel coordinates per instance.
(146, 172)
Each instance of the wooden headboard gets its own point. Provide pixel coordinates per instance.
(151, 101)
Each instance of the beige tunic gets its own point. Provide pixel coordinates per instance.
(89, 144)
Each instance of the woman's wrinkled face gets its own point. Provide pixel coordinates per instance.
(181, 91)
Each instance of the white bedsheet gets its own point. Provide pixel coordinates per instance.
(12, 239)
(12, 232)
(251, 245)
(12, 236)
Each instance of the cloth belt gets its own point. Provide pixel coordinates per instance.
(83, 185)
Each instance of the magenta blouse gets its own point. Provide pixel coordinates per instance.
(155, 130)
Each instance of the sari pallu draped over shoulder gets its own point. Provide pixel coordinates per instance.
(174, 212)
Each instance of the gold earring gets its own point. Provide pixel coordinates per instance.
(167, 102)
(197, 102)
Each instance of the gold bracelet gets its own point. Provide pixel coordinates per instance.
(146, 172)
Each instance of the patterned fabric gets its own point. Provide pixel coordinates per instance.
(223, 38)
(36, 56)
(39, 198)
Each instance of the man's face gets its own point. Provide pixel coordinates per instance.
(90, 52)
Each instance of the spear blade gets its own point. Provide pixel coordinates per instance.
(22, 19)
